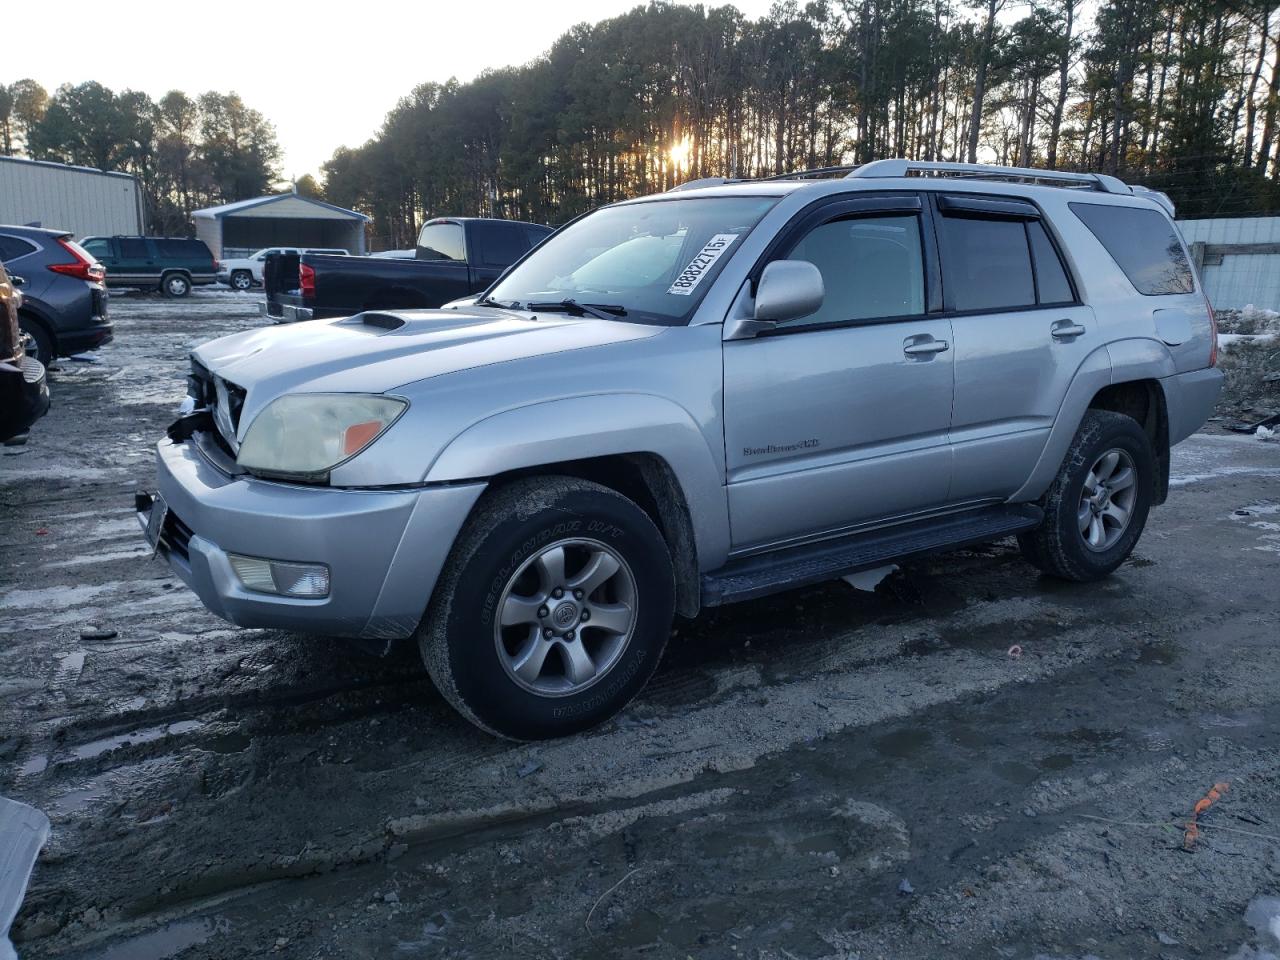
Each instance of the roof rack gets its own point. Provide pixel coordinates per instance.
(985, 171)
(813, 173)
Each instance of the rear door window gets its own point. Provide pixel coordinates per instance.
(1143, 243)
(986, 264)
(442, 241)
(133, 248)
(502, 244)
(1052, 284)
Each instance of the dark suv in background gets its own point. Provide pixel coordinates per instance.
(172, 265)
(64, 299)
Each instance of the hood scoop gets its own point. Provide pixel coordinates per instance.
(383, 321)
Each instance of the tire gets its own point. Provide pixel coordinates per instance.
(175, 285)
(241, 280)
(45, 349)
(473, 659)
(1061, 545)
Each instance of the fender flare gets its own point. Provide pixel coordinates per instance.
(584, 427)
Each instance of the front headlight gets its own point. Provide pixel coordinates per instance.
(302, 436)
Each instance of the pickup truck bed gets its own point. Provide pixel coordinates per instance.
(314, 286)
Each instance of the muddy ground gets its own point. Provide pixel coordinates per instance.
(826, 773)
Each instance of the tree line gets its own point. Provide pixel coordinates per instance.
(187, 152)
(1180, 95)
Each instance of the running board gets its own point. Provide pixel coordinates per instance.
(763, 574)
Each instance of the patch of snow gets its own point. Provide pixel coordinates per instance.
(868, 579)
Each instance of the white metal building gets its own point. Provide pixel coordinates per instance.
(284, 220)
(1239, 259)
(80, 200)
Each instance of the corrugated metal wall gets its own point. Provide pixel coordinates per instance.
(1240, 279)
(82, 201)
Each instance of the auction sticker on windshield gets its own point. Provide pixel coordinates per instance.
(698, 267)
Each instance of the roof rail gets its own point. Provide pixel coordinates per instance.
(814, 172)
(697, 184)
(985, 171)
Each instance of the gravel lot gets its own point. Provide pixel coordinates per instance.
(827, 773)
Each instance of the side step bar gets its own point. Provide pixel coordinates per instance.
(761, 575)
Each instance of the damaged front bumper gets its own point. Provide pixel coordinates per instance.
(383, 549)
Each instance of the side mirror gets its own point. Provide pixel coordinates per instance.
(788, 290)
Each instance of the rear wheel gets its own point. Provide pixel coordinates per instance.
(1097, 507)
(552, 611)
(175, 285)
(241, 280)
(43, 341)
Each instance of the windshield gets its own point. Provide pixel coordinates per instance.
(648, 262)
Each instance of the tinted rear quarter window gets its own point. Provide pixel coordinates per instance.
(13, 247)
(986, 264)
(502, 244)
(182, 250)
(133, 248)
(1143, 244)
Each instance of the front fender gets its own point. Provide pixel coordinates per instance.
(578, 428)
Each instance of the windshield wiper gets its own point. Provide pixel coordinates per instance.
(490, 302)
(601, 311)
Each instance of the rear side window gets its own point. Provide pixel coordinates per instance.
(1143, 244)
(872, 268)
(13, 247)
(502, 244)
(986, 264)
(442, 241)
(1052, 285)
(182, 250)
(133, 248)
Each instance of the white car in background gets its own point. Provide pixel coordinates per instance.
(245, 272)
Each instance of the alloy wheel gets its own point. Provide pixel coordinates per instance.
(1107, 499)
(565, 617)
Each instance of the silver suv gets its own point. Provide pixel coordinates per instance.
(689, 399)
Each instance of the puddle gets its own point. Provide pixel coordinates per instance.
(902, 743)
(33, 766)
(95, 748)
(169, 941)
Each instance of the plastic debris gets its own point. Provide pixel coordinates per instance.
(1015, 652)
(23, 831)
(905, 888)
(868, 580)
(1204, 803)
(529, 768)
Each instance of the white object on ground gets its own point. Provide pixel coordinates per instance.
(23, 831)
(1265, 433)
(868, 579)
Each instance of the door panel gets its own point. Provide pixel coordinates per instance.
(1012, 374)
(826, 429)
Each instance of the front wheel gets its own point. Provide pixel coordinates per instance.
(241, 280)
(1098, 504)
(553, 609)
(175, 285)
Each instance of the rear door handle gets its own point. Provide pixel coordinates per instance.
(923, 346)
(1066, 330)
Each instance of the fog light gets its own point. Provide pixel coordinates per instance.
(281, 577)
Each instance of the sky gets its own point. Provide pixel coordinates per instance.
(324, 72)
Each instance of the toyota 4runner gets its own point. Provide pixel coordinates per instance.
(689, 399)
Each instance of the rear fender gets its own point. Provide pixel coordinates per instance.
(580, 428)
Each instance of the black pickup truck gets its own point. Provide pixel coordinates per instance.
(456, 257)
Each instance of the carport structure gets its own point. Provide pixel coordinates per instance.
(283, 220)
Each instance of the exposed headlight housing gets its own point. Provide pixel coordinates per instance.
(302, 436)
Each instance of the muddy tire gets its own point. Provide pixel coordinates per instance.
(175, 285)
(1096, 508)
(552, 611)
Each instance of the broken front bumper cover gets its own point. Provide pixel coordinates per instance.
(384, 548)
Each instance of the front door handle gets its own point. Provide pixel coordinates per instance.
(924, 346)
(1066, 330)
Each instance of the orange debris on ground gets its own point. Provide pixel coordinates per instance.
(1203, 804)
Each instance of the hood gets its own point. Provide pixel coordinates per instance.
(376, 352)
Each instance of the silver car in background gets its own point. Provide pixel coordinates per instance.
(689, 399)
